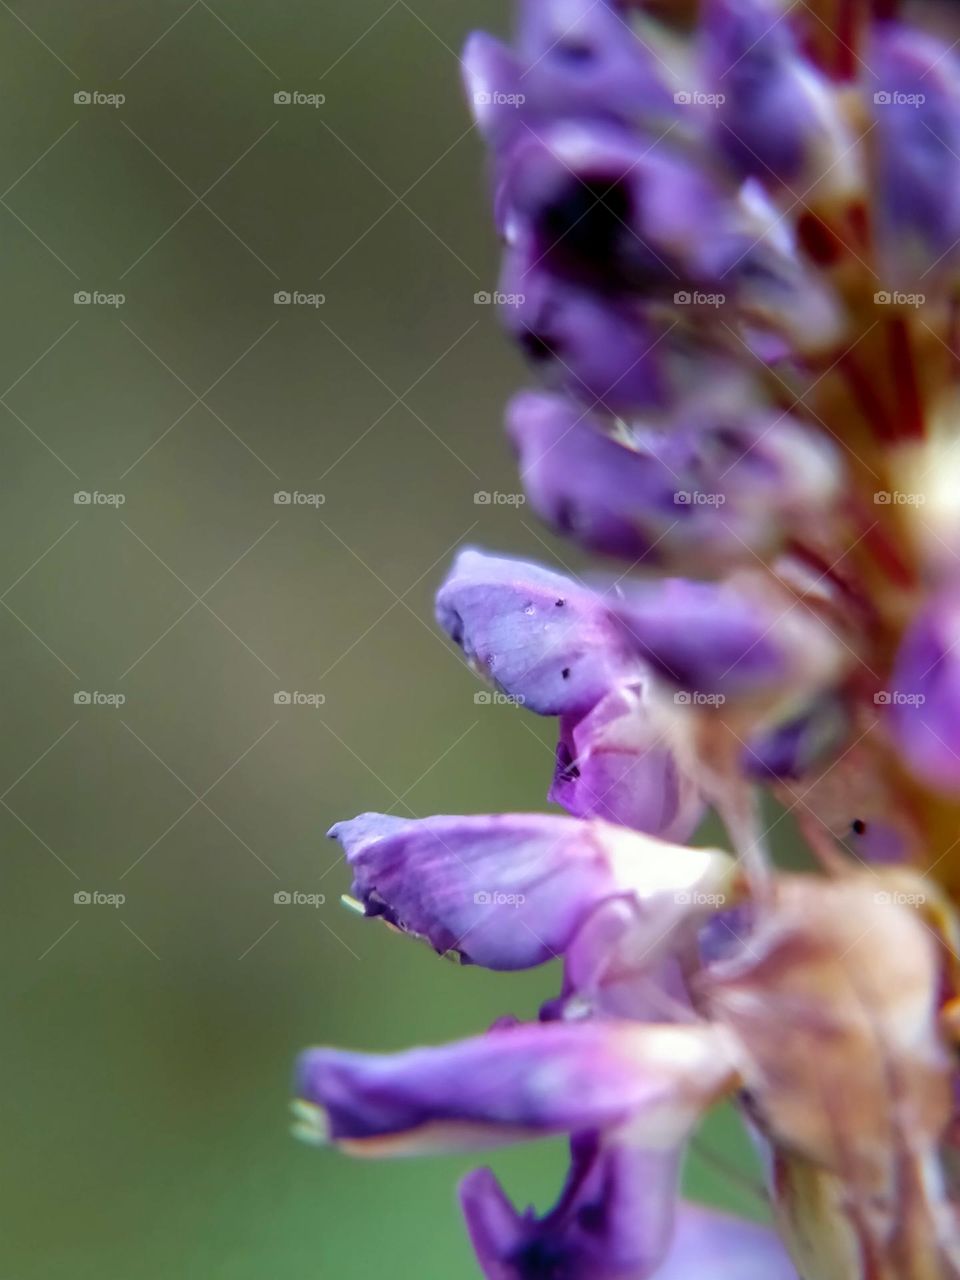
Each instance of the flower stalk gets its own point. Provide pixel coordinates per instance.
(732, 244)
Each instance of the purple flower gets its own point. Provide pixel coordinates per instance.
(511, 890)
(615, 1221)
(916, 111)
(719, 490)
(711, 216)
(604, 351)
(722, 641)
(543, 639)
(924, 700)
(514, 1083)
(774, 118)
(618, 763)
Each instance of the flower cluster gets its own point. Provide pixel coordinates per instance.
(732, 252)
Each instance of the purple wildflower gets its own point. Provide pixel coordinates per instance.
(734, 231)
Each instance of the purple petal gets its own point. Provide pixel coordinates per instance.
(612, 1221)
(790, 750)
(510, 891)
(600, 349)
(605, 208)
(615, 763)
(708, 493)
(514, 1083)
(491, 75)
(719, 641)
(916, 108)
(541, 638)
(775, 114)
(924, 701)
(716, 1246)
(581, 58)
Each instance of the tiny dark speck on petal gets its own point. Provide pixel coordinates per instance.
(560, 603)
(565, 673)
(858, 826)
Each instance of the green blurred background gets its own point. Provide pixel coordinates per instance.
(147, 1046)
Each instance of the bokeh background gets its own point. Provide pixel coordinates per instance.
(147, 1045)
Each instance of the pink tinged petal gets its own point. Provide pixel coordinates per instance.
(491, 76)
(540, 637)
(516, 1083)
(624, 961)
(709, 1245)
(511, 891)
(616, 763)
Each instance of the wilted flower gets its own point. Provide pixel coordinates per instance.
(735, 230)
